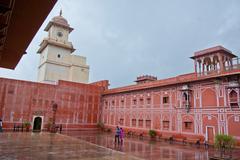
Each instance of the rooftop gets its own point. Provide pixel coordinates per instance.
(145, 79)
(181, 79)
(216, 49)
(17, 28)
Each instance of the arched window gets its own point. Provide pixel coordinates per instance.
(186, 100)
(185, 96)
(207, 62)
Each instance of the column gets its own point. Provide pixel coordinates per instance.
(222, 68)
(199, 65)
(130, 117)
(195, 65)
(203, 68)
(124, 120)
(212, 63)
(231, 63)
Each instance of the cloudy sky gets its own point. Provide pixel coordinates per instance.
(127, 38)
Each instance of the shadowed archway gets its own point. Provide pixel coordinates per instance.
(37, 124)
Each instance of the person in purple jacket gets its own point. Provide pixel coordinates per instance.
(1, 125)
(121, 135)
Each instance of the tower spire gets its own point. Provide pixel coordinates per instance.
(60, 12)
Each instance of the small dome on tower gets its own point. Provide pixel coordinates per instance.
(60, 20)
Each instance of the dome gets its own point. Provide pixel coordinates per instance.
(60, 20)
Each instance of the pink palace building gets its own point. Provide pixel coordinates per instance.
(203, 103)
(199, 104)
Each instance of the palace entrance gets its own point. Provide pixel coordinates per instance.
(210, 134)
(37, 124)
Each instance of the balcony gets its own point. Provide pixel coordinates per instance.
(227, 69)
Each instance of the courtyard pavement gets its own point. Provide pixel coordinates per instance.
(47, 146)
(150, 150)
(94, 146)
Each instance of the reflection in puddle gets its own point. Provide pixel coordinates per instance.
(147, 149)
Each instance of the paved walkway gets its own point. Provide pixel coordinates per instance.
(76, 146)
(47, 146)
(151, 150)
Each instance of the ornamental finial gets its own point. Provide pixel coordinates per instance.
(60, 12)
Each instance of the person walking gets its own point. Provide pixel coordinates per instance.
(205, 143)
(1, 124)
(60, 128)
(117, 134)
(121, 135)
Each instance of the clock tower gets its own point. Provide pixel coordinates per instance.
(57, 61)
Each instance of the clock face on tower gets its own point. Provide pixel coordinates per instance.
(59, 34)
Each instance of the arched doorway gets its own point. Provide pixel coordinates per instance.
(37, 124)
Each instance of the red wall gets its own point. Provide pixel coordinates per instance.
(81, 106)
(78, 104)
(209, 108)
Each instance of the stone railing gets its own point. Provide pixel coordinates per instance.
(218, 71)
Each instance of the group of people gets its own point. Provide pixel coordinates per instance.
(119, 134)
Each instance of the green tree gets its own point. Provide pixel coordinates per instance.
(27, 125)
(225, 143)
(152, 133)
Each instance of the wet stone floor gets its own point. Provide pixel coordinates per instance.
(150, 150)
(94, 146)
(47, 146)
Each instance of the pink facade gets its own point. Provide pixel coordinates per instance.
(21, 101)
(202, 103)
(205, 102)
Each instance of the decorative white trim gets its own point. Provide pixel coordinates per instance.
(236, 118)
(209, 117)
(217, 94)
(207, 131)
